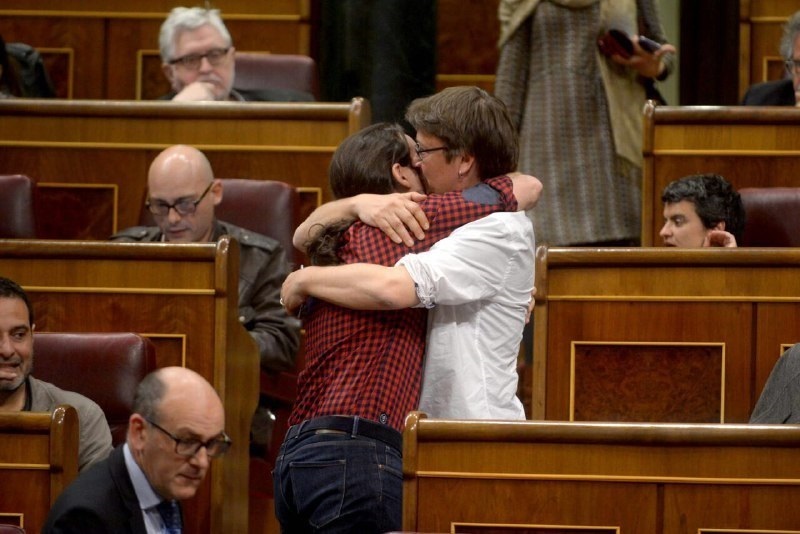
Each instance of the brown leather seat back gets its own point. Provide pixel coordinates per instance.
(16, 207)
(269, 207)
(105, 367)
(772, 216)
(256, 71)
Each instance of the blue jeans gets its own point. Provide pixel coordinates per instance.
(336, 482)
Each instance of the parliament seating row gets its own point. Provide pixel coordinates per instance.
(90, 159)
(105, 367)
(545, 477)
(184, 300)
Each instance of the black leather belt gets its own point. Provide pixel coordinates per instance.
(356, 426)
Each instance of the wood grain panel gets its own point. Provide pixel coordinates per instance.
(745, 300)
(639, 478)
(467, 33)
(639, 382)
(38, 459)
(85, 37)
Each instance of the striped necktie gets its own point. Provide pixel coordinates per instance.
(171, 514)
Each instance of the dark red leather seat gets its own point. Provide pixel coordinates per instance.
(105, 367)
(256, 71)
(772, 216)
(16, 206)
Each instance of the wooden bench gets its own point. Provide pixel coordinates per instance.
(749, 146)
(661, 335)
(90, 158)
(537, 477)
(38, 459)
(184, 298)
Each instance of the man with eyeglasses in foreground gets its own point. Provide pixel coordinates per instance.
(785, 92)
(175, 430)
(197, 56)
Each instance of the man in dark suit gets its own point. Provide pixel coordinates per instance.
(781, 92)
(197, 56)
(175, 430)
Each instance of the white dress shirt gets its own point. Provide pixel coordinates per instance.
(478, 282)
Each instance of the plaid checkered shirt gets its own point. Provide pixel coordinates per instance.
(369, 363)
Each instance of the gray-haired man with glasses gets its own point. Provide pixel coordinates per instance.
(197, 57)
(784, 92)
(176, 429)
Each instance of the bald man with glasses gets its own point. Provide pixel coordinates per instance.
(182, 195)
(138, 488)
(197, 57)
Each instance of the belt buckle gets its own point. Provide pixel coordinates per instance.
(329, 431)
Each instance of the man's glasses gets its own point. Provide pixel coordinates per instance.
(215, 57)
(183, 206)
(215, 447)
(792, 66)
(422, 152)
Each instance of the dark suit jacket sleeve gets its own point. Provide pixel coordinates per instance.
(775, 93)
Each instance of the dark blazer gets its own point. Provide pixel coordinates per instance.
(777, 93)
(101, 500)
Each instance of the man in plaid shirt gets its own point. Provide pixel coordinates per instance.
(340, 465)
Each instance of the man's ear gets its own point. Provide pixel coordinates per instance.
(216, 191)
(400, 178)
(166, 68)
(719, 226)
(467, 165)
(136, 433)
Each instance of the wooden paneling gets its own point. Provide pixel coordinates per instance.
(538, 477)
(750, 147)
(181, 296)
(663, 335)
(38, 459)
(467, 33)
(106, 37)
(106, 147)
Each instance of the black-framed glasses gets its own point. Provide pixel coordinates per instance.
(215, 447)
(215, 57)
(422, 152)
(183, 206)
(792, 66)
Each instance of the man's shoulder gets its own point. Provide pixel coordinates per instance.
(249, 239)
(773, 93)
(47, 396)
(142, 234)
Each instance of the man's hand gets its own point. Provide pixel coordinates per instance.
(292, 294)
(720, 238)
(196, 91)
(398, 215)
(530, 306)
